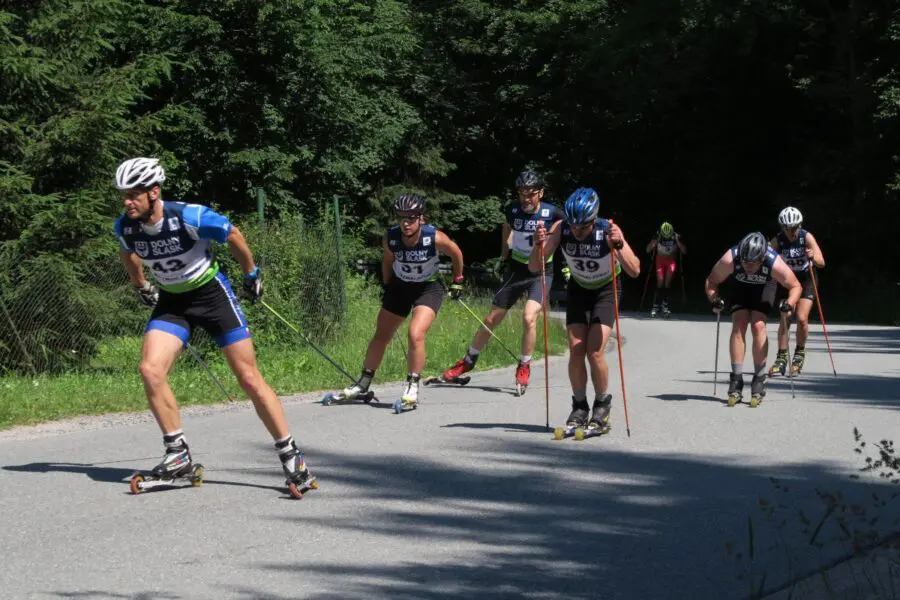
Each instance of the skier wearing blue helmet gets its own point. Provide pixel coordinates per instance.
(586, 241)
(522, 220)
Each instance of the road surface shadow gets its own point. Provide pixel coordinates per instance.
(532, 518)
(104, 474)
(511, 427)
(684, 397)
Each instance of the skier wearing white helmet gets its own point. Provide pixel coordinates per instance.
(173, 239)
(800, 250)
(754, 270)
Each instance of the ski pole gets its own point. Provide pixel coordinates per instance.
(716, 367)
(681, 277)
(546, 342)
(612, 258)
(812, 273)
(488, 329)
(209, 371)
(647, 280)
(308, 341)
(787, 325)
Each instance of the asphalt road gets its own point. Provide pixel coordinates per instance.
(468, 496)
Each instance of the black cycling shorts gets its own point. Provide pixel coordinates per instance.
(751, 296)
(518, 282)
(400, 297)
(212, 306)
(586, 306)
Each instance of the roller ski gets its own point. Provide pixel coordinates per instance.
(779, 367)
(798, 361)
(462, 380)
(577, 419)
(299, 478)
(176, 468)
(410, 398)
(523, 373)
(735, 390)
(354, 393)
(599, 423)
(654, 311)
(666, 313)
(757, 390)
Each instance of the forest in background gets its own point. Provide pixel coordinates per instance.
(711, 114)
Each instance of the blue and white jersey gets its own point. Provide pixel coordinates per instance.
(524, 225)
(794, 253)
(589, 259)
(761, 277)
(177, 249)
(417, 263)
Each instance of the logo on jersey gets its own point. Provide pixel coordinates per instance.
(128, 231)
(517, 224)
(392, 243)
(166, 247)
(426, 241)
(545, 212)
(571, 248)
(173, 223)
(416, 256)
(142, 249)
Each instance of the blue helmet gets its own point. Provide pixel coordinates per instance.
(582, 206)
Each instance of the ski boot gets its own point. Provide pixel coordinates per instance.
(410, 398)
(455, 373)
(757, 390)
(354, 392)
(798, 361)
(577, 419)
(653, 311)
(176, 465)
(666, 313)
(299, 477)
(599, 423)
(779, 367)
(523, 373)
(735, 389)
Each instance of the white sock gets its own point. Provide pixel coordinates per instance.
(525, 358)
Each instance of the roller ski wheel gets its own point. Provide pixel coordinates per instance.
(592, 430)
(401, 406)
(520, 389)
(734, 398)
(461, 380)
(755, 400)
(561, 433)
(339, 398)
(141, 482)
(297, 490)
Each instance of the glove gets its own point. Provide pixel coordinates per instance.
(147, 294)
(718, 305)
(785, 306)
(566, 273)
(252, 284)
(456, 288)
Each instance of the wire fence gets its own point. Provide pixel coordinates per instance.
(57, 317)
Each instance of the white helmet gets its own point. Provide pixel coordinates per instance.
(790, 217)
(139, 173)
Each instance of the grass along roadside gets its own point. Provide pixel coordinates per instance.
(113, 384)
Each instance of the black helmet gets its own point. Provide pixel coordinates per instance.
(411, 203)
(753, 247)
(530, 179)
